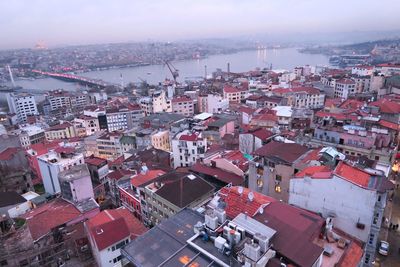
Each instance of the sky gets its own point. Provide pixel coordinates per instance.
(23, 23)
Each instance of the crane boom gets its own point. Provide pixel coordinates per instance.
(172, 69)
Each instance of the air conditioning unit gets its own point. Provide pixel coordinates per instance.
(252, 251)
(271, 169)
(262, 241)
(221, 214)
(211, 221)
(219, 242)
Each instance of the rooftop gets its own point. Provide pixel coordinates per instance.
(221, 175)
(286, 152)
(10, 198)
(74, 173)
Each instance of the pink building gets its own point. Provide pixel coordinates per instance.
(183, 105)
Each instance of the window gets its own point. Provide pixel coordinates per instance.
(117, 259)
(260, 182)
(278, 178)
(371, 239)
(376, 157)
(278, 188)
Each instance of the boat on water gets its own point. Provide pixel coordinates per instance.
(149, 73)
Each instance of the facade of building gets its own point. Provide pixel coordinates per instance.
(235, 94)
(54, 162)
(75, 183)
(212, 103)
(302, 97)
(353, 198)
(108, 232)
(23, 105)
(183, 106)
(64, 130)
(30, 135)
(123, 117)
(187, 148)
(344, 88)
(108, 146)
(161, 140)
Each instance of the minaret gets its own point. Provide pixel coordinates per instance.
(11, 76)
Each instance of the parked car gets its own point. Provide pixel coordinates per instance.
(384, 248)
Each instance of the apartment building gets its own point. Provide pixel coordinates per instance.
(301, 97)
(64, 130)
(187, 148)
(23, 105)
(344, 88)
(183, 106)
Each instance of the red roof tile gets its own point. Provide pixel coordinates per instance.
(111, 226)
(316, 172)
(387, 106)
(352, 174)
(288, 152)
(239, 203)
(141, 178)
(189, 137)
(219, 174)
(61, 126)
(95, 161)
(263, 134)
(118, 174)
(352, 256)
(43, 219)
(390, 125)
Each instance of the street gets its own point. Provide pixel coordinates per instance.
(393, 236)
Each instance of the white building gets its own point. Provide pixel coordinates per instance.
(108, 232)
(212, 103)
(55, 161)
(353, 198)
(187, 148)
(183, 106)
(31, 134)
(344, 88)
(362, 70)
(123, 117)
(284, 114)
(23, 105)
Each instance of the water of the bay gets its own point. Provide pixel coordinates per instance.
(239, 62)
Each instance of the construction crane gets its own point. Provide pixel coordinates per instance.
(172, 69)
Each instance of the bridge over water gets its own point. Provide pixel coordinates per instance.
(75, 78)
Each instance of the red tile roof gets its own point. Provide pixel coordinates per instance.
(8, 153)
(352, 256)
(390, 125)
(189, 137)
(43, 148)
(345, 81)
(95, 161)
(239, 203)
(262, 134)
(181, 99)
(141, 178)
(111, 226)
(43, 219)
(316, 172)
(296, 230)
(61, 126)
(352, 174)
(118, 174)
(387, 106)
(218, 174)
(288, 152)
(65, 149)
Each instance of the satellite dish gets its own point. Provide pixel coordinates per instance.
(250, 196)
(261, 210)
(240, 190)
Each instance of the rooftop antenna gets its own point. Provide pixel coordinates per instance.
(11, 76)
(205, 71)
(240, 190)
(250, 196)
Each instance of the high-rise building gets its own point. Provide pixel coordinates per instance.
(22, 105)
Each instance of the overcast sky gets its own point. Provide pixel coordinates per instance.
(25, 22)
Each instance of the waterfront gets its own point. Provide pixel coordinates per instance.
(287, 58)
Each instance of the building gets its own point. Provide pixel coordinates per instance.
(30, 135)
(72, 102)
(108, 232)
(123, 116)
(301, 97)
(54, 162)
(344, 88)
(241, 228)
(172, 192)
(108, 145)
(90, 124)
(353, 198)
(273, 166)
(64, 130)
(211, 103)
(218, 127)
(14, 170)
(156, 103)
(187, 148)
(253, 140)
(130, 190)
(23, 105)
(235, 94)
(98, 169)
(161, 140)
(183, 106)
(75, 184)
(12, 204)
